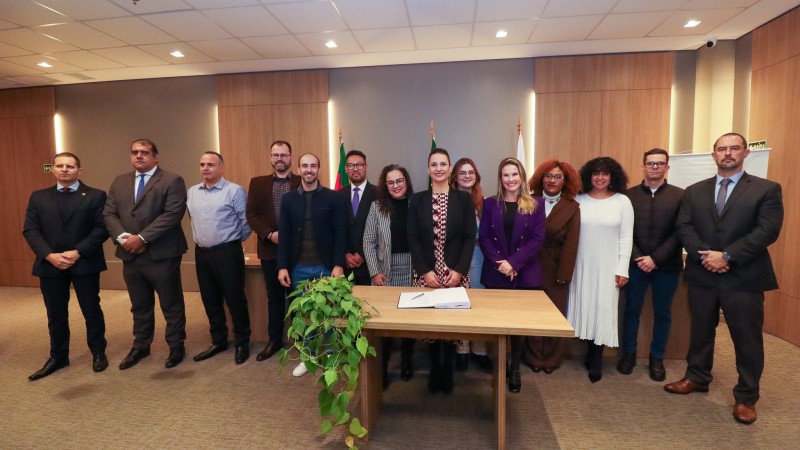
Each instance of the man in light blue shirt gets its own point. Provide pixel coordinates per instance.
(217, 209)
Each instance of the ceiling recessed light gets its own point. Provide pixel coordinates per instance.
(692, 23)
(501, 34)
(44, 64)
(331, 44)
(177, 54)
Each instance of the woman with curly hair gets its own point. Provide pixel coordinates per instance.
(387, 252)
(558, 183)
(511, 235)
(466, 177)
(604, 252)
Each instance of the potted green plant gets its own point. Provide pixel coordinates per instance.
(326, 326)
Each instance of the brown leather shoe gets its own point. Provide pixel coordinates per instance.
(685, 386)
(745, 414)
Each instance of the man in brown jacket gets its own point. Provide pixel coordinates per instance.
(263, 214)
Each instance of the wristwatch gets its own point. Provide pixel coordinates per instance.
(726, 256)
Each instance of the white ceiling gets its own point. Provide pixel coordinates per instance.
(104, 40)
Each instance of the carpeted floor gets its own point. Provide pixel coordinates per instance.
(216, 404)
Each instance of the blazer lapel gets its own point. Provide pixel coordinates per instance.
(149, 186)
(81, 193)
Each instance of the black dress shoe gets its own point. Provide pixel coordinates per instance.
(49, 367)
(462, 362)
(627, 363)
(175, 357)
(514, 381)
(99, 362)
(212, 350)
(657, 370)
(483, 362)
(269, 350)
(242, 353)
(133, 358)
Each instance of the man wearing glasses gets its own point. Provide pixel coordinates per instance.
(143, 215)
(358, 197)
(655, 261)
(263, 215)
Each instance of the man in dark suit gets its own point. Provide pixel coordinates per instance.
(358, 197)
(143, 215)
(728, 266)
(263, 216)
(312, 229)
(64, 228)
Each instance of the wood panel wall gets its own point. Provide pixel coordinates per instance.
(774, 108)
(613, 105)
(257, 109)
(27, 141)
(610, 105)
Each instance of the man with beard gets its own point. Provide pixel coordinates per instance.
(655, 261)
(358, 197)
(263, 215)
(312, 228)
(728, 267)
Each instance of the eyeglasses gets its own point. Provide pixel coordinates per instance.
(655, 164)
(280, 155)
(463, 173)
(398, 182)
(553, 176)
(359, 165)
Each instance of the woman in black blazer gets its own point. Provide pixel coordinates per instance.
(441, 236)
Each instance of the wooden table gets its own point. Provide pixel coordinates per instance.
(495, 315)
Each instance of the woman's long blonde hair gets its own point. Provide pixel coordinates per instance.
(525, 203)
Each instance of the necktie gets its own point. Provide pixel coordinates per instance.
(355, 200)
(722, 195)
(65, 190)
(140, 189)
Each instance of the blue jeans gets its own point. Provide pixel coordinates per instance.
(664, 284)
(301, 272)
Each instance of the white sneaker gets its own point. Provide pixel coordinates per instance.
(300, 370)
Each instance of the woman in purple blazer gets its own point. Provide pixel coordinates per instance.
(511, 234)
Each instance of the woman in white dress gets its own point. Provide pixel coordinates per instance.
(601, 267)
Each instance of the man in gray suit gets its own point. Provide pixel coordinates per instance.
(726, 224)
(143, 215)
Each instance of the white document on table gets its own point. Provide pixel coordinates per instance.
(448, 298)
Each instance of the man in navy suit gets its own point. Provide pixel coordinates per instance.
(726, 224)
(64, 228)
(312, 230)
(357, 197)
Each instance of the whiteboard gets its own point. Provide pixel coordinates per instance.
(687, 169)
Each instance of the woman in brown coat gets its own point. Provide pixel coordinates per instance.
(558, 183)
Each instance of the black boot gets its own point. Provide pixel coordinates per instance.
(447, 367)
(406, 355)
(596, 363)
(514, 379)
(434, 378)
(657, 370)
(386, 344)
(626, 364)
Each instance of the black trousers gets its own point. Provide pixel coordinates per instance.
(144, 278)
(220, 274)
(276, 301)
(55, 291)
(744, 314)
(360, 275)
